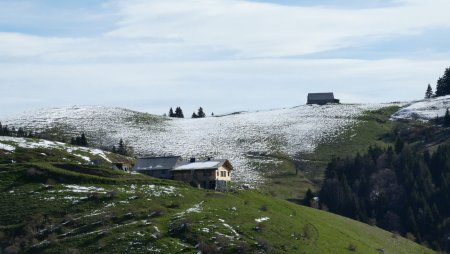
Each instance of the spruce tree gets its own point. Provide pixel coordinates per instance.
(429, 92)
(447, 118)
(308, 197)
(171, 112)
(443, 84)
(83, 140)
(194, 115)
(122, 149)
(20, 132)
(1, 129)
(201, 114)
(179, 112)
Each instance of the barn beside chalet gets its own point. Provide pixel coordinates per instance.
(321, 98)
(208, 174)
(159, 167)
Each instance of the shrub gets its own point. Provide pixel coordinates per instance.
(264, 244)
(351, 247)
(206, 247)
(264, 208)
(181, 227)
(111, 194)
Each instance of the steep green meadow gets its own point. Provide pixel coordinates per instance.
(64, 206)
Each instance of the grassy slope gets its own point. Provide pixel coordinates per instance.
(143, 210)
(370, 130)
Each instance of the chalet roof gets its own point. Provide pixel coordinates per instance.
(202, 165)
(157, 163)
(320, 96)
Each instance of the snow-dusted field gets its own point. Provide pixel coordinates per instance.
(11, 143)
(424, 109)
(239, 138)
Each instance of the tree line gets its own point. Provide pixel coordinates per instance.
(394, 188)
(442, 86)
(178, 113)
(13, 132)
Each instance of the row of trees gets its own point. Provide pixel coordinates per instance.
(79, 140)
(442, 86)
(179, 113)
(396, 189)
(13, 132)
(122, 149)
(199, 114)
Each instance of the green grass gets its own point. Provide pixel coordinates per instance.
(125, 212)
(296, 175)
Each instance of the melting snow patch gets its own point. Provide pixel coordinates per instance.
(82, 189)
(82, 157)
(197, 208)
(425, 109)
(262, 219)
(6, 147)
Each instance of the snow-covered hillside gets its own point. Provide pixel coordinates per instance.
(424, 109)
(240, 137)
(82, 154)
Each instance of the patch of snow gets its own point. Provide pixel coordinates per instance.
(100, 153)
(197, 208)
(262, 219)
(231, 229)
(82, 189)
(6, 147)
(424, 109)
(82, 157)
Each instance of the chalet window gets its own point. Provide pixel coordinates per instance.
(228, 173)
(217, 172)
(223, 173)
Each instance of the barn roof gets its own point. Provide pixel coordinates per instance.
(202, 165)
(320, 96)
(157, 163)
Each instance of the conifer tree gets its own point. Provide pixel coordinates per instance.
(429, 92)
(83, 140)
(1, 129)
(20, 132)
(443, 84)
(447, 118)
(194, 115)
(171, 114)
(122, 148)
(201, 114)
(308, 197)
(179, 112)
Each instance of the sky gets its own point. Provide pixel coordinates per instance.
(223, 55)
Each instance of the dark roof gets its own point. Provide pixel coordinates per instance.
(320, 96)
(157, 163)
(202, 165)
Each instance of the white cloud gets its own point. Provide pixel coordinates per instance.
(161, 30)
(269, 30)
